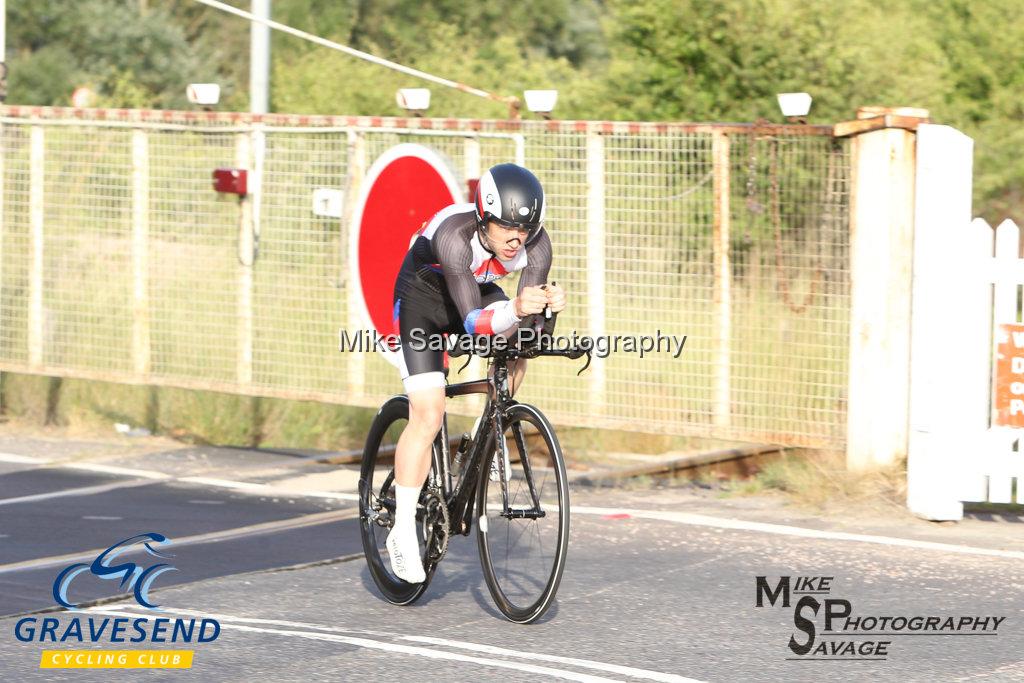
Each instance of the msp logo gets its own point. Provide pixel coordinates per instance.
(827, 627)
(136, 578)
(112, 626)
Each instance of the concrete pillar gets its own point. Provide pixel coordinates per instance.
(881, 255)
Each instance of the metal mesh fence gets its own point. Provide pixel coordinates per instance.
(119, 262)
(790, 294)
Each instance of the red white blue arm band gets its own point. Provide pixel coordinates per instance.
(493, 319)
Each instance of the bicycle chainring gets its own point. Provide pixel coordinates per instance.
(436, 526)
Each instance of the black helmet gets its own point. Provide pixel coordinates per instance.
(511, 196)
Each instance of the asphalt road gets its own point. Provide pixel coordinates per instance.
(266, 544)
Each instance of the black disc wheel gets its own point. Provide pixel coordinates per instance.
(377, 502)
(523, 524)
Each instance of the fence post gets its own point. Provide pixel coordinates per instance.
(37, 160)
(722, 278)
(246, 253)
(356, 362)
(520, 142)
(949, 338)
(141, 362)
(881, 258)
(471, 163)
(471, 170)
(3, 316)
(596, 286)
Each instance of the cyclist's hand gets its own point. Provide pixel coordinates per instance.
(531, 300)
(556, 298)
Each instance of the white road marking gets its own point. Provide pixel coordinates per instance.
(572, 661)
(143, 477)
(324, 494)
(82, 491)
(102, 518)
(331, 633)
(224, 483)
(266, 489)
(784, 530)
(22, 459)
(112, 469)
(237, 532)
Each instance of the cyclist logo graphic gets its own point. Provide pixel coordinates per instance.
(132, 575)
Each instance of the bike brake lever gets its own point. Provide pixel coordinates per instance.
(587, 365)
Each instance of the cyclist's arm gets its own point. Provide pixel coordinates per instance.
(538, 262)
(538, 265)
(456, 258)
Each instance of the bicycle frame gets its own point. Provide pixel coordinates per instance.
(460, 495)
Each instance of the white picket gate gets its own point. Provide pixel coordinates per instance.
(967, 286)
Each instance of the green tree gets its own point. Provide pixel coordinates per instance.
(984, 45)
(726, 59)
(60, 44)
(337, 83)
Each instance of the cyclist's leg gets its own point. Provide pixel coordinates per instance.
(422, 373)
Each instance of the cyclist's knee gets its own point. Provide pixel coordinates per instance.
(426, 409)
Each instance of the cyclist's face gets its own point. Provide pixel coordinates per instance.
(505, 242)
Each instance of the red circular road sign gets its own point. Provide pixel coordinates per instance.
(404, 187)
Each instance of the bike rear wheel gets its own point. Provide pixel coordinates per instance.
(523, 534)
(377, 501)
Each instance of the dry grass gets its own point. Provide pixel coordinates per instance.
(820, 480)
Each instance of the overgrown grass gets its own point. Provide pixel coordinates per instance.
(820, 480)
(229, 419)
(190, 416)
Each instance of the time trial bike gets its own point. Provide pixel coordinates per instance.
(509, 479)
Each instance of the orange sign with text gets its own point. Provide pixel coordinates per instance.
(1009, 394)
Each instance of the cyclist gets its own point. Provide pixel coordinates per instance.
(446, 286)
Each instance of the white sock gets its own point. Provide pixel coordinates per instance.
(403, 546)
(406, 498)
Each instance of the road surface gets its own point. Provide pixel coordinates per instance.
(659, 585)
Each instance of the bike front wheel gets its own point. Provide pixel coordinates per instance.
(523, 508)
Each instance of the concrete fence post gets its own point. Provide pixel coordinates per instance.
(37, 170)
(596, 285)
(356, 362)
(881, 260)
(722, 294)
(471, 170)
(141, 353)
(246, 254)
(3, 155)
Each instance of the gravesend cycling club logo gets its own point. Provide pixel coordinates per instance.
(109, 626)
(847, 636)
(137, 578)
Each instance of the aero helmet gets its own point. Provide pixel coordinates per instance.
(511, 196)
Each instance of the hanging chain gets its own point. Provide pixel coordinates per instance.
(782, 279)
